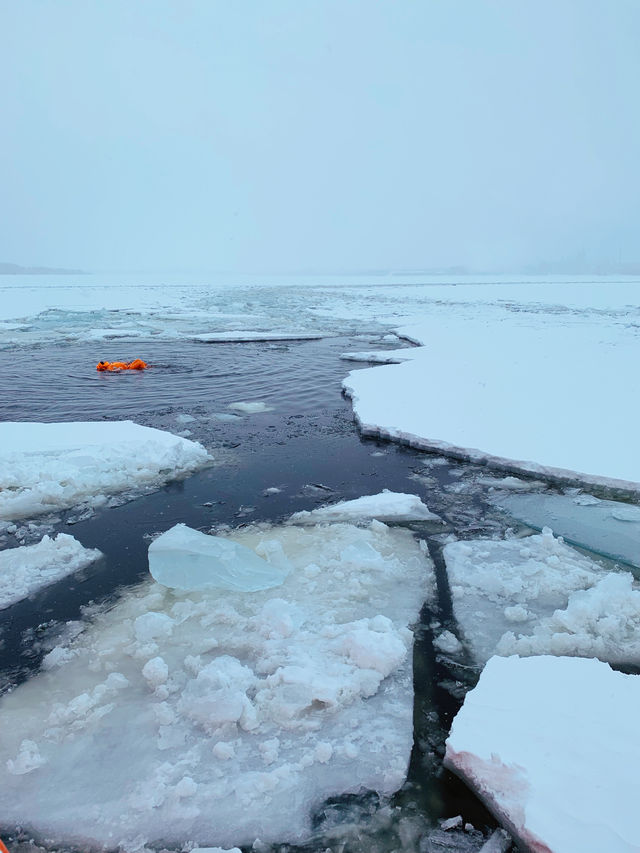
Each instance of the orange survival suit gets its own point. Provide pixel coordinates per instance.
(136, 364)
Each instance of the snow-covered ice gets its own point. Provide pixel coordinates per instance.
(28, 568)
(386, 506)
(516, 385)
(610, 528)
(217, 717)
(186, 559)
(551, 745)
(47, 466)
(537, 595)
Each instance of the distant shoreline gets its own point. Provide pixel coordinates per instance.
(16, 269)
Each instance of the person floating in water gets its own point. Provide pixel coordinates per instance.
(114, 366)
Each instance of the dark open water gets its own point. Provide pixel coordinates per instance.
(307, 446)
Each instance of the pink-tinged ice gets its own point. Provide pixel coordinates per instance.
(550, 744)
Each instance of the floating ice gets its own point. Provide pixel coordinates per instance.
(607, 527)
(602, 622)
(386, 506)
(183, 558)
(550, 744)
(28, 568)
(250, 408)
(480, 405)
(219, 717)
(45, 466)
(448, 643)
(513, 484)
(499, 587)
(384, 357)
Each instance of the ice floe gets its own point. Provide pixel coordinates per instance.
(219, 717)
(502, 390)
(28, 568)
(537, 595)
(550, 744)
(386, 506)
(47, 466)
(610, 528)
(380, 357)
(249, 407)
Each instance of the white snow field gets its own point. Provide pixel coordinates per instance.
(387, 506)
(555, 756)
(221, 717)
(536, 596)
(28, 568)
(610, 528)
(47, 466)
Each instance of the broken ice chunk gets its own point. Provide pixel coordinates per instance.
(28, 759)
(26, 569)
(250, 408)
(183, 558)
(387, 507)
(498, 585)
(535, 740)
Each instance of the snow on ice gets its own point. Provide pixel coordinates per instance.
(551, 745)
(28, 568)
(538, 596)
(387, 506)
(47, 466)
(219, 717)
(610, 528)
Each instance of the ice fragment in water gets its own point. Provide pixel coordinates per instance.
(183, 558)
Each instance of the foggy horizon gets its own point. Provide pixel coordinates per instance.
(325, 137)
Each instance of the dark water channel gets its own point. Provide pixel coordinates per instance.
(307, 446)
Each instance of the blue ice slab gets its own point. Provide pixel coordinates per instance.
(610, 528)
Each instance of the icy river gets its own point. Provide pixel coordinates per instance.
(283, 440)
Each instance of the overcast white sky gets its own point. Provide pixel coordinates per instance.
(283, 135)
